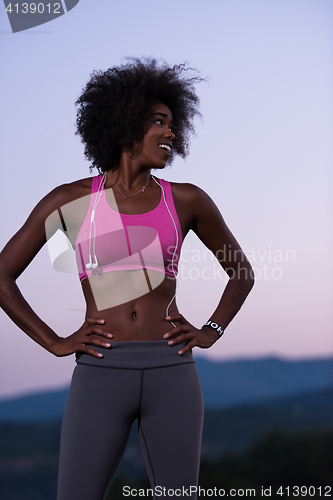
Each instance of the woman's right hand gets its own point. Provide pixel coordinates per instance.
(89, 333)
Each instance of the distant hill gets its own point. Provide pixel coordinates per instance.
(236, 428)
(225, 384)
(43, 406)
(230, 383)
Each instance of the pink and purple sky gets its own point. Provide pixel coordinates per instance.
(263, 152)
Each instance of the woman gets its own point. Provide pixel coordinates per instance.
(134, 350)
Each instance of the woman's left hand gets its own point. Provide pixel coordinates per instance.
(200, 338)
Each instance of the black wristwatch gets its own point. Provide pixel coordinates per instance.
(215, 326)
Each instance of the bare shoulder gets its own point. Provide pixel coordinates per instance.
(62, 195)
(205, 218)
(190, 192)
(192, 196)
(56, 199)
(65, 193)
(193, 206)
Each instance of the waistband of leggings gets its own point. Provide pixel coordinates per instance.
(137, 355)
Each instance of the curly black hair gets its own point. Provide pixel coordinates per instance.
(113, 109)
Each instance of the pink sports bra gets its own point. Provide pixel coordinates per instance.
(114, 242)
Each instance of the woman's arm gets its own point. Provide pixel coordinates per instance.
(206, 221)
(210, 227)
(15, 257)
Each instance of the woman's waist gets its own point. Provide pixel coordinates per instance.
(137, 355)
(140, 319)
(136, 324)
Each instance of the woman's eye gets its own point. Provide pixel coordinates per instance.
(159, 121)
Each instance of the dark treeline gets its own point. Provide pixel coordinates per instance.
(29, 462)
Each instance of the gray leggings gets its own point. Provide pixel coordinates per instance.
(145, 380)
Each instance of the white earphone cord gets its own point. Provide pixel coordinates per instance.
(92, 223)
(174, 252)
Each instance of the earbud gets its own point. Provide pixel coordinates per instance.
(91, 265)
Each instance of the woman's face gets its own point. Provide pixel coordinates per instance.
(157, 142)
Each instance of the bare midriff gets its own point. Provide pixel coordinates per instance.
(140, 319)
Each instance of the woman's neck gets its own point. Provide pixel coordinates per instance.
(129, 176)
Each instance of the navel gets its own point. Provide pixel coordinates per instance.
(134, 315)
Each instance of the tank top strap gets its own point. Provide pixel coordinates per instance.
(168, 196)
(167, 189)
(96, 183)
(171, 206)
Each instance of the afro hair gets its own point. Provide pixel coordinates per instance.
(113, 109)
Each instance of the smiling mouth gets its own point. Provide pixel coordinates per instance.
(165, 147)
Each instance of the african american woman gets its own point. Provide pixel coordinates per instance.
(126, 226)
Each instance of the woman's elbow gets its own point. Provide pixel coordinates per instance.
(243, 274)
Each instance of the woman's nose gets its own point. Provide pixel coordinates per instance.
(169, 134)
